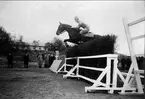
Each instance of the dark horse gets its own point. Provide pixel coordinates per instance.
(74, 35)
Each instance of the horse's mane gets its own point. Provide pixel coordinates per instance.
(69, 26)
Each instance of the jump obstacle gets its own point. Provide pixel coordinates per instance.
(55, 65)
(112, 74)
(134, 66)
(131, 80)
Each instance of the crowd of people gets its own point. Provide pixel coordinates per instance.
(126, 62)
(43, 59)
(46, 59)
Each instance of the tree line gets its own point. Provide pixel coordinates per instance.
(9, 43)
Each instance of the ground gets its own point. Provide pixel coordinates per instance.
(41, 83)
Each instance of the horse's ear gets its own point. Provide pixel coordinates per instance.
(59, 22)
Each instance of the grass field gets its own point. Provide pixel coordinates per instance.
(41, 83)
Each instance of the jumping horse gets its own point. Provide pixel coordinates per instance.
(74, 35)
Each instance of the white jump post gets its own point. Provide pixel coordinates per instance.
(134, 66)
(56, 55)
(63, 68)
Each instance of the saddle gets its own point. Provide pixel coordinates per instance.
(89, 34)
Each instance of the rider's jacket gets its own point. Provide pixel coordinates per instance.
(83, 25)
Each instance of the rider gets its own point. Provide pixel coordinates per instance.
(84, 27)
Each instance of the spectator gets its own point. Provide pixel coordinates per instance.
(26, 60)
(43, 56)
(40, 60)
(51, 59)
(140, 62)
(123, 63)
(128, 63)
(119, 63)
(10, 60)
(46, 65)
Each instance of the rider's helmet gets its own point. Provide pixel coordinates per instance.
(76, 18)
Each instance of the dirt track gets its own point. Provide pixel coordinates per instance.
(35, 83)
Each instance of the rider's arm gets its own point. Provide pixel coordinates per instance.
(77, 26)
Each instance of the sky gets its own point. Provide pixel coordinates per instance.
(39, 20)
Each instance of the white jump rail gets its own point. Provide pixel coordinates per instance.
(63, 69)
(96, 82)
(111, 81)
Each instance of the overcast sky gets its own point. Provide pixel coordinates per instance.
(39, 20)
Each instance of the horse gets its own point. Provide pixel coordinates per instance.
(74, 35)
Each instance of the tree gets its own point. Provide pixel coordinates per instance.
(35, 43)
(5, 41)
(49, 46)
(55, 45)
(21, 38)
(8, 43)
(58, 44)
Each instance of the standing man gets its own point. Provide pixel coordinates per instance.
(123, 63)
(51, 59)
(46, 65)
(26, 60)
(10, 60)
(40, 60)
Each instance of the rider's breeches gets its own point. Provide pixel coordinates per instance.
(84, 31)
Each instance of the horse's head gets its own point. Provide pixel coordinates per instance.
(62, 28)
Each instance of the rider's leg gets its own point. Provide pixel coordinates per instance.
(84, 31)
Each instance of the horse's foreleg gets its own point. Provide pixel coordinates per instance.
(71, 40)
(65, 42)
